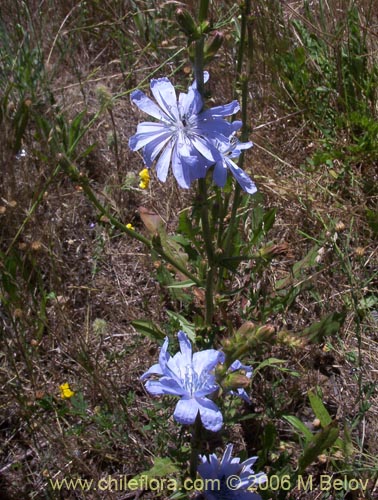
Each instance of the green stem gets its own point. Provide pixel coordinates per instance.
(237, 194)
(207, 236)
(195, 446)
(202, 187)
(198, 65)
(246, 34)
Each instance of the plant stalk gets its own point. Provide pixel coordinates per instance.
(195, 446)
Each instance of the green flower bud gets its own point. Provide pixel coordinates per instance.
(212, 46)
(234, 381)
(187, 23)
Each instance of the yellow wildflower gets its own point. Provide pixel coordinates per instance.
(130, 226)
(144, 178)
(65, 391)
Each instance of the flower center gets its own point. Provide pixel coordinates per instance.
(193, 382)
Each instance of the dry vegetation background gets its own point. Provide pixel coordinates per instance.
(72, 284)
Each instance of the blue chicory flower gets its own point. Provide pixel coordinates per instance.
(235, 480)
(225, 163)
(184, 135)
(190, 377)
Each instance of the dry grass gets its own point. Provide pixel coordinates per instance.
(78, 283)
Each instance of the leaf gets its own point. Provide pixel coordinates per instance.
(274, 362)
(181, 284)
(149, 329)
(151, 220)
(318, 444)
(185, 325)
(269, 219)
(329, 325)
(298, 268)
(321, 412)
(347, 444)
(319, 409)
(299, 426)
(163, 467)
(268, 438)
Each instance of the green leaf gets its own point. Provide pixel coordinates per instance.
(149, 329)
(274, 362)
(181, 284)
(163, 467)
(299, 426)
(268, 439)
(298, 268)
(319, 409)
(329, 325)
(321, 412)
(347, 444)
(185, 325)
(318, 444)
(268, 220)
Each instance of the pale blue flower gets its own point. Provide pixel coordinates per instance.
(182, 135)
(235, 366)
(227, 151)
(189, 376)
(237, 481)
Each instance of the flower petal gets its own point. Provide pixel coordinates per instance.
(205, 361)
(240, 146)
(164, 355)
(206, 77)
(144, 103)
(185, 347)
(187, 409)
(165, 385)
(243, 179)
(211, 416)
(220, 173)
(165, 94)
(153, 148)
(162, 165)
(181, 166)
(217, 129)
(190, 104)
(154, 370)
(205, 148)
(221, 111)
(147, 132)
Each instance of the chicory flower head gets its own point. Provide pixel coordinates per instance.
(235, 480)
(227, 151)
(189, 376)
(185, 136)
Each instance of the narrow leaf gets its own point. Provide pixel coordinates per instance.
(149, 329)
(299, 426)
(181, 284)
(319, 409)
(318, 444)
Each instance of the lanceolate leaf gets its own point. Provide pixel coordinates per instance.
(318, 444)
(149, 329)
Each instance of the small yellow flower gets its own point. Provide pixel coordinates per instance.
(65, 391)
(130, 226)
(144, 178)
